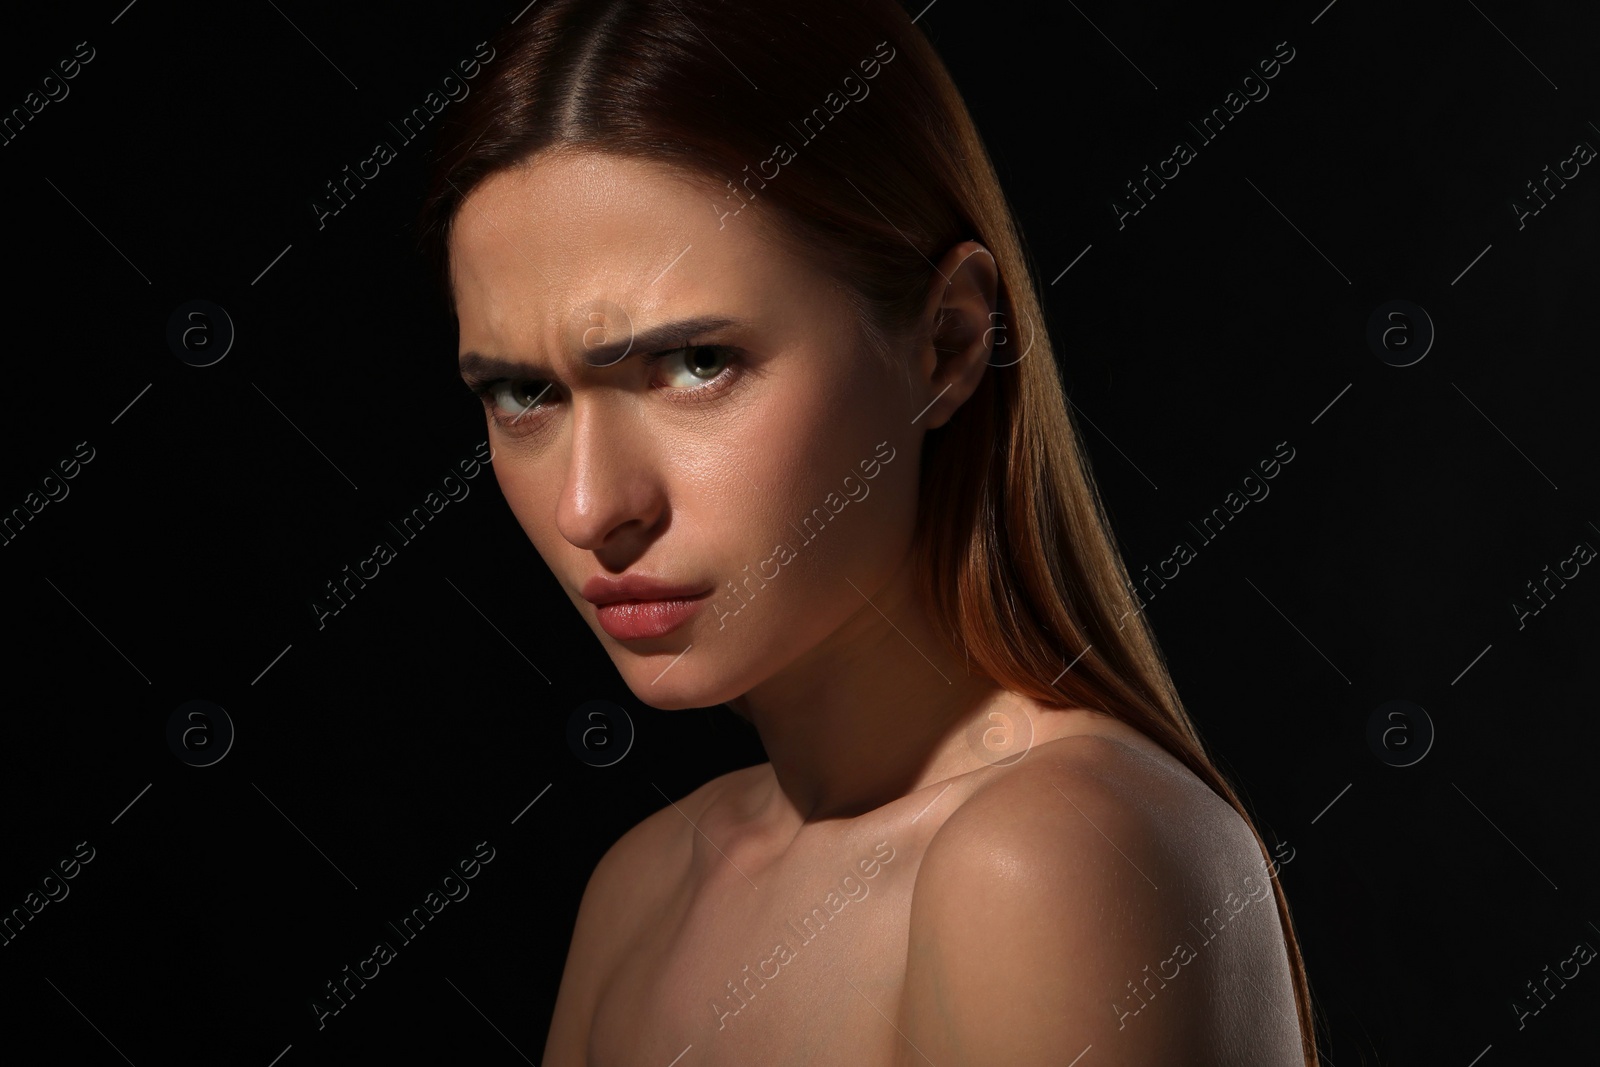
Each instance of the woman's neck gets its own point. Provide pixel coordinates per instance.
(873, 713)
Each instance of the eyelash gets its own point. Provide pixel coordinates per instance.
(484, 391)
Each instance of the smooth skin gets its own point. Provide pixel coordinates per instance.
(1042, 858)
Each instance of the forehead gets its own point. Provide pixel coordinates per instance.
(537, 248)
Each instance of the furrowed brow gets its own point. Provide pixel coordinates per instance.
(477, 367)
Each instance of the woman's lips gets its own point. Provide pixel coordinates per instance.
(628, 620)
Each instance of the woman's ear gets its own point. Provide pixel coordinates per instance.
(958, 331)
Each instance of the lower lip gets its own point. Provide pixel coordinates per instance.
(628, 620)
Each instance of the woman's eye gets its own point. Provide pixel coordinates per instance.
(516, 398)
(698, 364)
(688, 368)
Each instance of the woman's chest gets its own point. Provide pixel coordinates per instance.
(804, 963)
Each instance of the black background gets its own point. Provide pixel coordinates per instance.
(1227, 316)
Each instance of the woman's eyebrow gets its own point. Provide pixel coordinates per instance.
(475, 366)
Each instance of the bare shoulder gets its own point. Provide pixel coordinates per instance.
(1055, 909)
(1107, 782)
(629, 886)
(1104, 816)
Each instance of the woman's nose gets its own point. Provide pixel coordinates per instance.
(611, 487)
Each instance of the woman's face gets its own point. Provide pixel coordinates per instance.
(776, 454)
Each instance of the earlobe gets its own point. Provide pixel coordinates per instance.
(962, 305)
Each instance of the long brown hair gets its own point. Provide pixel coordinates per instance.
(884, 171)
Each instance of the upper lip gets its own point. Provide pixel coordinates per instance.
(603, 590)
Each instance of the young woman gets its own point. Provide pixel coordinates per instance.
(769, 390)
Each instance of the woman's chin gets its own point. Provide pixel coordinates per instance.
(645, 679)
(652, 696)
